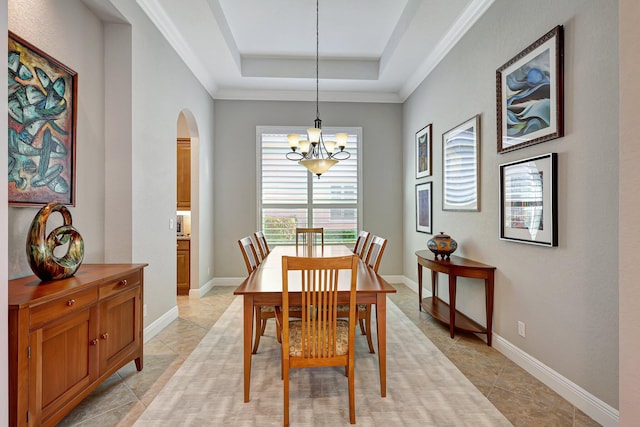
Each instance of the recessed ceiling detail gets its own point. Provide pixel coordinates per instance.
(370, 50)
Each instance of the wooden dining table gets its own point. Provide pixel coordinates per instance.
(263, 287)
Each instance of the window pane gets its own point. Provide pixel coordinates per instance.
(279, 225)
(283, 181)
(340, 224)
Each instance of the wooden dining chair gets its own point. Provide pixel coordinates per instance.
(361, 244)
(373, 258)
(309, 236)
(261, 243)
(319, 338)
(262, 313)
(376, 249)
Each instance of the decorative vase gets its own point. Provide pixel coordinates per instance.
(442, 245)
(40, 247)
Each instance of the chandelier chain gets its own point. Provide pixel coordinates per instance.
(317, 58)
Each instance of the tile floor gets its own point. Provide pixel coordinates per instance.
(121, 399)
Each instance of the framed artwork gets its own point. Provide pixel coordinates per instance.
(530, 94)
(460, 167)
(423, 152)
(424, 208)
(528, 200)
(42, 127)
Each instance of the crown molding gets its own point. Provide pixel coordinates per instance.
(464, 22)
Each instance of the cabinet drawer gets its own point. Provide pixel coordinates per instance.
(57, 308)
(183, 245)
(120, 284)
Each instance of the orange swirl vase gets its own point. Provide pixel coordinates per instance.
(40, 248)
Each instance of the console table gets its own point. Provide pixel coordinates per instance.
(447, 313)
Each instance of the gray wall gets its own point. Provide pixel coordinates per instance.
(236, 181)
(567, 296)
(629, 230)
(146, 190)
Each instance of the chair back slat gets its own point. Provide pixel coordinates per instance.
(249, 253)
(376, 249)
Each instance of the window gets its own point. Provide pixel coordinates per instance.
(290, 196)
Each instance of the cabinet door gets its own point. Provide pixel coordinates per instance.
(184, 176)
(183, 267)
(120, 328)
(63, 363)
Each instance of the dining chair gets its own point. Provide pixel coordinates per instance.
(361, 243)
(319, 338)
(374, 256)
(262, 312)
(261, 242)
(309, 236)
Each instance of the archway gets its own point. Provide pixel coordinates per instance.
(187, 203)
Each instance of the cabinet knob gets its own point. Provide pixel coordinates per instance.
(104, 336)
(71, 302)
(123, 282)
(93, 342)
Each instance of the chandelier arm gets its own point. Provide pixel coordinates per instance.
(294, 155)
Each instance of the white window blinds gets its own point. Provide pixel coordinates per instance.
(290, 196)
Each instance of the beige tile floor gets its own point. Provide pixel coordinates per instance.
(121, 399)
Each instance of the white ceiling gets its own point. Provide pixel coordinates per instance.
(370, 50)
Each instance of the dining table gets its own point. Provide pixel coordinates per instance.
(263, 287)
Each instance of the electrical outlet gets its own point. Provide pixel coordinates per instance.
(170, 223)
(521, 329)
(144, 310)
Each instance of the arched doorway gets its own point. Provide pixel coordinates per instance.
(187, 184)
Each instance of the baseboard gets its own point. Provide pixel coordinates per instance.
(160, 323)
(579, 397)
(228, 281)
(598, 410)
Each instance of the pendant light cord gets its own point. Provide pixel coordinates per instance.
(317, 58)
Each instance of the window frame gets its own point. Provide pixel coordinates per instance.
(357, 130)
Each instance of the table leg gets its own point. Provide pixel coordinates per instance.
(381, 323)
(248, 332)
(489, 300)
(452, 304)
(434, 284)
(419, 287)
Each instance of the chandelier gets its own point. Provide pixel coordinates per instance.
(315, 153)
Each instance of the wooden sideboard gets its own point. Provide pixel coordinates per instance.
(67, 336)
(447, 313)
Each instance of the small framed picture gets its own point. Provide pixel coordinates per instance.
(528, 200)
(529, 93)
(460, 167)
(424, 208)
(423, 152)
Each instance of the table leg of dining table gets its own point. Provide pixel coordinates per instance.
(248, 332)
(381, 323)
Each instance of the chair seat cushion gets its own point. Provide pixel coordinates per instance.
(345, 307)
(270, 308)
(295, 338)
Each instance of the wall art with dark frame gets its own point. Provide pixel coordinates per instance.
(42, 127)
(423, 152)
(529, 93)
(424, 208)
(460, 167)
(529, 200)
